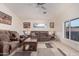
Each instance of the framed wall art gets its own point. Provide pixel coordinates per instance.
(26, 25)
(5, 18)
(51, 24)
(39, 25)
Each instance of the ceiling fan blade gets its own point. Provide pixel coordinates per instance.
(41, 3)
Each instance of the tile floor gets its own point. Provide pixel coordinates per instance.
(50, 48)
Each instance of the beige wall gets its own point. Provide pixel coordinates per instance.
(66, 12)
(32, 21)
(16, 22)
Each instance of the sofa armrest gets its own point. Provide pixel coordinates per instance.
(4, 42)
(10, 46)
(14, 45)
(9, 43)
(5, 47)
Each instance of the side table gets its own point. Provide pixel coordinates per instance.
(32, 43)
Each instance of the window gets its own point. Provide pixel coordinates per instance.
(67, 29)
(36, 25)
(72, 29)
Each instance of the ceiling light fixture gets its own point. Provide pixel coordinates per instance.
(44, 12)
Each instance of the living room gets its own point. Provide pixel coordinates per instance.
(37, 29)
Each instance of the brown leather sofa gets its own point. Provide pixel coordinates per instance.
(40, 35)
(9, 40)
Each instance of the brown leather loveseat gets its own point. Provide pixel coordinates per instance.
(9, 40)
(40, 35)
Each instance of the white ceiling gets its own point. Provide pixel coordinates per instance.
(31, 11)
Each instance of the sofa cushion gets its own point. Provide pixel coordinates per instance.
(14, 36)
(4, 32)
(4, 37)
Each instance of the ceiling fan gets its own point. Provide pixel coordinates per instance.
(41, 5)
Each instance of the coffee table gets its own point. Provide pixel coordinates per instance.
(30, 44)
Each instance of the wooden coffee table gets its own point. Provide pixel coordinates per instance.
(32, 44)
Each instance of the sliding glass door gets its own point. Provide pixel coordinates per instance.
(67, 29)
(72, 29)
(75, 29)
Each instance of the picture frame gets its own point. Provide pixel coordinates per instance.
(26, 24)
(51, 24)
(5, 18)
(39, 25)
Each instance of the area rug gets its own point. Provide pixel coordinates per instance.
(48, 45)
(23, 53)
(45, 52)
